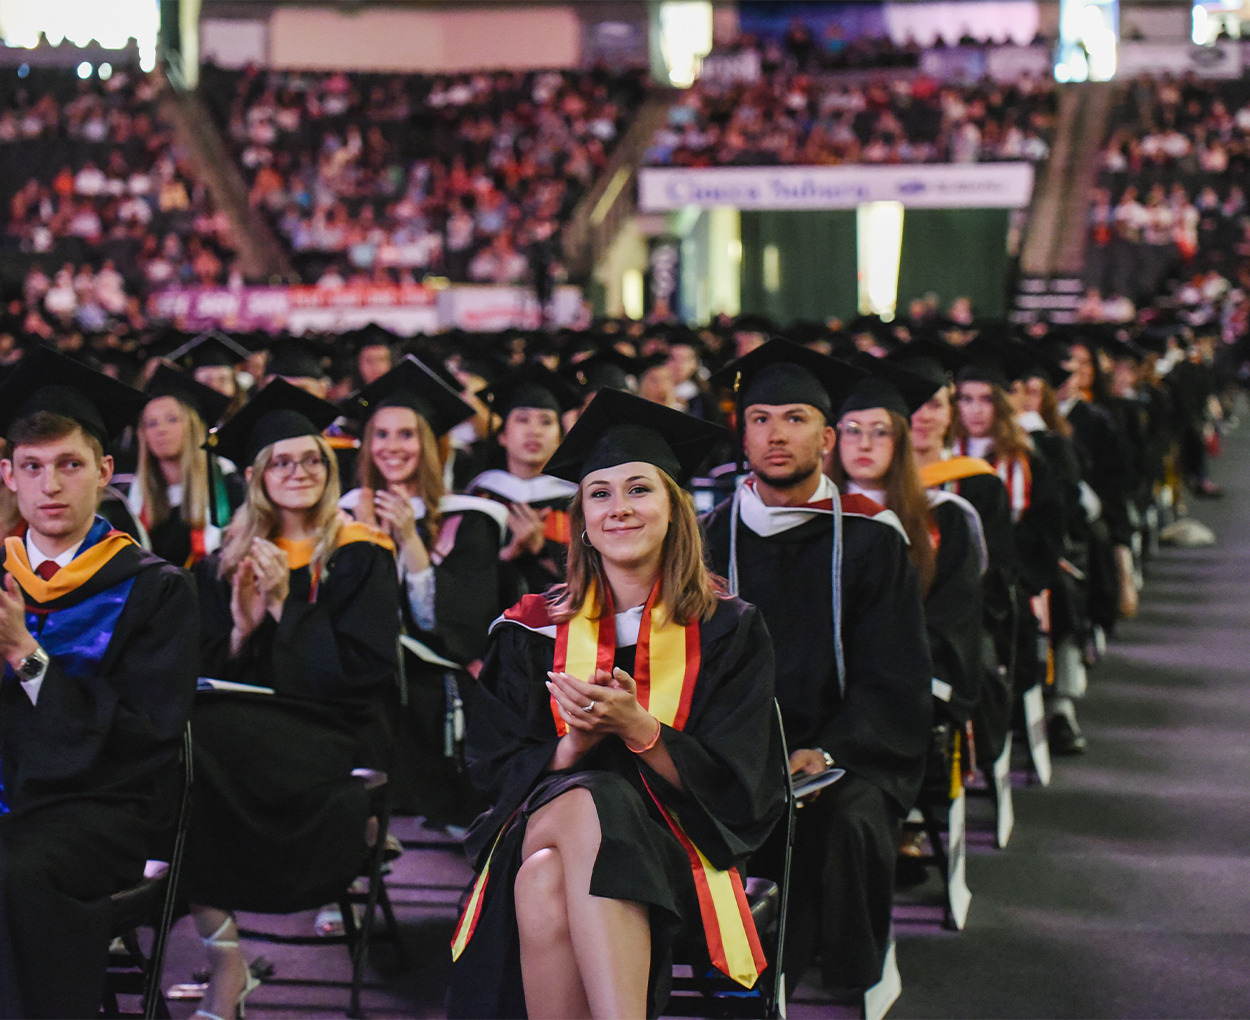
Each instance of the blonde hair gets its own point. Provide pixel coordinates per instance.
(905, 495)
(259, 518)
(688, 590)
(193, 463)
(429, 474)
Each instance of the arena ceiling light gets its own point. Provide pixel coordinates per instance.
(685, 39)
(110, 24)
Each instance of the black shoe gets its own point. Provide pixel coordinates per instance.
(1064, 735)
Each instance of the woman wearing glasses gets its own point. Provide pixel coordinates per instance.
(303, 607)
(874, 457)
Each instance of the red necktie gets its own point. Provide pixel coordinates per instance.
(46, 569)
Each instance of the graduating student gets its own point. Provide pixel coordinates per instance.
(831, 575)
(985, 426)
(172, 493)
(212, 358)
(302, 604)
(624, 737)
(972, 479)
(945, 540)
(448, 561)
(530, 403)
(99, 640)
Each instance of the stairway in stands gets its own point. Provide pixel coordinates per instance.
(1053, 257)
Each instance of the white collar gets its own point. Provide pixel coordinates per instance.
(37, 557)
(628, 624)
(876, 495)
(767, 521)
(979, 447)
(539, 489)
(1031, 421)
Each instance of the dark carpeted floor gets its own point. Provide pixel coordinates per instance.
(1125, 890)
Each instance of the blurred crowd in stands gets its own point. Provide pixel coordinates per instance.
(1168, 215)
(791, 117)
(101, 204)
(464, 176)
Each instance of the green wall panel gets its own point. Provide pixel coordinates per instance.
(955, 252)
(816, 254)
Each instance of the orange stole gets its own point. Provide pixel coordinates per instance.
(666, 667)
(556, 527)
(952, 470)
(80, 569)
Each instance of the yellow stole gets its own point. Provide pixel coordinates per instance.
(666, 668)
(80, 569)
(300, 553)
(952, 470)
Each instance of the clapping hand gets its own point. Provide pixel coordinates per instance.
(15, 640)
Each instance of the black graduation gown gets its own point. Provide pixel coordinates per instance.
(953, 613)
(1068, 596)
(878, 730)
(732, 794)
(171, 539)
(991, 716)
(529, 573)
(91, 778)
(276, 825)
(427, 779)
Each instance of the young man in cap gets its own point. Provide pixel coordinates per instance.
(842, 602)
(100, 648)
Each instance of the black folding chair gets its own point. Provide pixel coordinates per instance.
(151, 903)
(709, 993)
(357, 935)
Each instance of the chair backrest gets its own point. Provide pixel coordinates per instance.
(156, 962)
(779, 976)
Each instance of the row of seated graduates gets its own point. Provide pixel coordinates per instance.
(295, 365)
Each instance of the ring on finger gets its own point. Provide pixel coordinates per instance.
(589, 707)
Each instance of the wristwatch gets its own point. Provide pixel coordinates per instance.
(33, 666)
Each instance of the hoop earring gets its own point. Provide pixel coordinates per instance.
(586, 541)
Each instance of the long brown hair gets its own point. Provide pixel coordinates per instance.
(259, 518)
(1049, 411)
(193, 461)
(906, 496)
(429, 474)
(688, 590)
(1009, 441)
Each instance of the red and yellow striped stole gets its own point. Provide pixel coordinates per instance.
(666, 667)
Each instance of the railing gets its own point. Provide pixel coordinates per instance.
(261, 257)
(602, 213)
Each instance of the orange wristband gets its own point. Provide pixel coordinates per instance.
(654, 740)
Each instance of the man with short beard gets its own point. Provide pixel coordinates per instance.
(842, 602)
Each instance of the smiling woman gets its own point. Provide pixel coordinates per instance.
(655, 680)
(303, 604)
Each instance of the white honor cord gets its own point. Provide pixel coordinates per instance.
(836, 568)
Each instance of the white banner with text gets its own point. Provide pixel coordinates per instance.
(924, 186)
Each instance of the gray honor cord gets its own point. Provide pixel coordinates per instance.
(836, 570)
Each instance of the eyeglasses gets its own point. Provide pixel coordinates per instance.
(853, 432)
(310, 463)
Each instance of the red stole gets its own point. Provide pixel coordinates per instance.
(666, 668)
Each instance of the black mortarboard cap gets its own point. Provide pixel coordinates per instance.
(984, 364)
(210, 349)
(619, 428)
(531, 385)
(1028, 361)
(45, 380)
(414, 385)
(781, 372)
(295, 359)
(891, 386)
(204, 400)
(607, 369)
(949, 357)
(279, 411)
